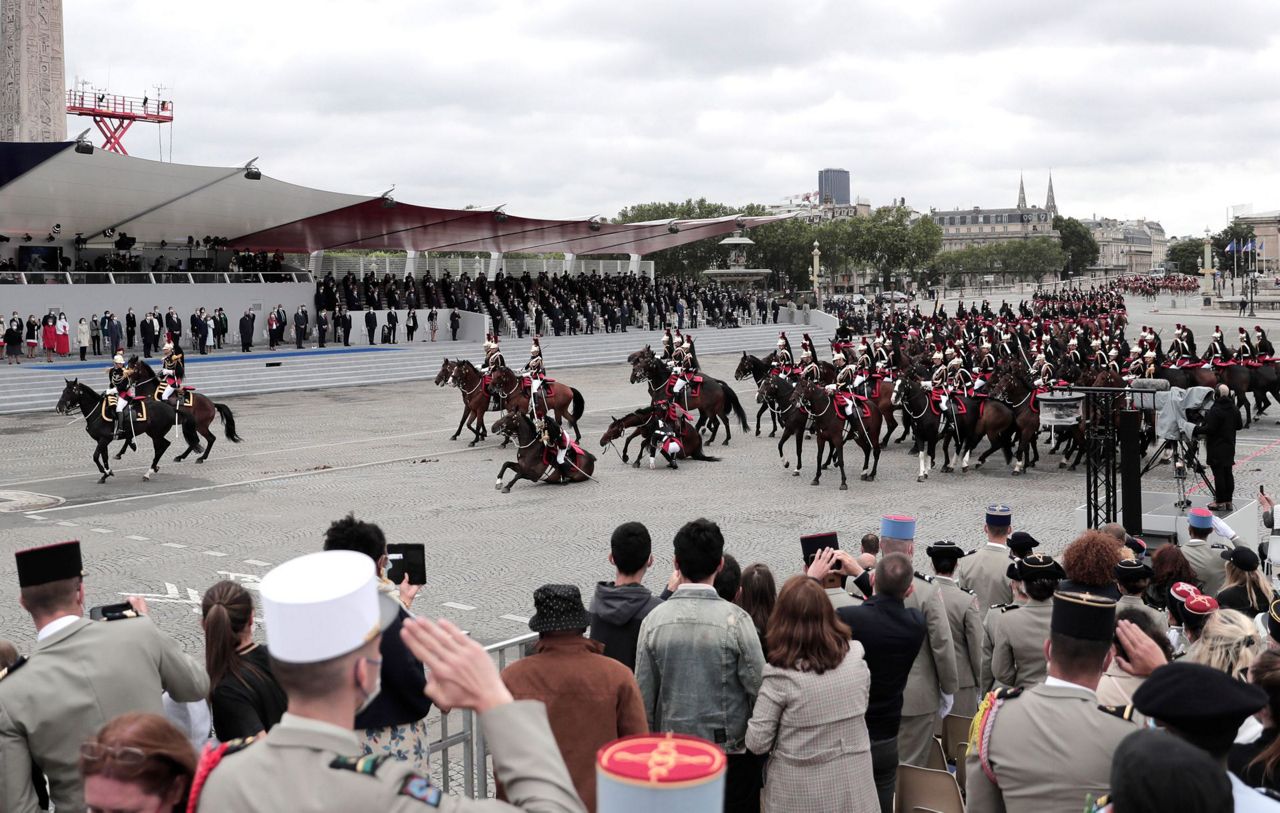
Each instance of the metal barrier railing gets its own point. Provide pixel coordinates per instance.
(475, 776)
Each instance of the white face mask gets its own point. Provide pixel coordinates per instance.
(372, 695)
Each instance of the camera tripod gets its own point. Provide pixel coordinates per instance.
(1184, 455)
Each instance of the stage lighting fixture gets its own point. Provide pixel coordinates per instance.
(83, 145)
(57, 228)
(26, 238)
(109, 233)
(673, 228)
(251, 172)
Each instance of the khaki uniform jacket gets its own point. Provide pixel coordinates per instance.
(1205, 558)
(1017, 653)
(74, 682)
(298, 766)
(934, 669)
(966, 629)
(984, 572)
(1132, 602)
(1050, 749)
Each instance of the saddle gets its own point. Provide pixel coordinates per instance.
(692, 380)
(549, 453)
(187, 397)
(108, 408)
(1219, 363)
(526, 385)
(935, 402)
(843, 398)
(1188, 365)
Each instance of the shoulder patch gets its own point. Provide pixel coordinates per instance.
(1008, 693)
(4, 673)
(367, 764)
(1217, 545)
(231, 746)
(420, 788)
(1004, 608)
(1123, 712)
(967, 590)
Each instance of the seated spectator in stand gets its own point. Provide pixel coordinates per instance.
(1155, 772)
(591, 700)
(395, 722)
(1246, 588)
(245, 700)
(699, 663)
(140, 763)
(1258, 762)
(1205, 707)
(619, 606)
(757, 596)
(811, 711)
(1090, 562)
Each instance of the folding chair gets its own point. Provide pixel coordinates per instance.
(922, 789)
(955, 735)
(937, 760)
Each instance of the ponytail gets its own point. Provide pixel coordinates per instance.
(228, 610)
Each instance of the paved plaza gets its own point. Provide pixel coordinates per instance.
(383, 452)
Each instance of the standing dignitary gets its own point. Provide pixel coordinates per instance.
(932, 685)
(1050, 747)
(311, 759)
(130, 327)
(1218, 429)
(966, 624)
(371, 325)
(983, 571)
(322, 326)
(150, 332)
(81, 675)
(246, 331)
(300, 321)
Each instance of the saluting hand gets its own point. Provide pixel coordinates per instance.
(1145, 655)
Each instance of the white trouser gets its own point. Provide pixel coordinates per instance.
(857, 382)
(560, 455)
(978, 384)
(169, 389)
(535, 384)
(679, 385)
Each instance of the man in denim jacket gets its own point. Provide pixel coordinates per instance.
(699, 663)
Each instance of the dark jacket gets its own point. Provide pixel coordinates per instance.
(246, 328)
(616, 613)
(1241, 754)
(401, 700)
(173, 324)
(370, 320)
(1219, 431)
(891, 634)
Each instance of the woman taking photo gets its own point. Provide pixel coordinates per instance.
(811, 709)
(244, 698)
(140, 763)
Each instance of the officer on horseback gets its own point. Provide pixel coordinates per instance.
(553, 438)
(668, 347)
(118, 383)
(782, 360)
(1217, 349)
(535, 369)
(846, 374)
(1264, 345)
(808, 367)
(174, 368)
(1246, 351)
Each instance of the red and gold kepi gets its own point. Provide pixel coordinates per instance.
(687, 771)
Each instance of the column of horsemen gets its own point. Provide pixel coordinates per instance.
(941, 370)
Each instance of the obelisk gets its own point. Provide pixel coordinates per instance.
(32, 75)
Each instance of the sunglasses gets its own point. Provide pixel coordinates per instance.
(125, 761)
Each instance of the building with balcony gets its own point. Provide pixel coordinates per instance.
(962, 228)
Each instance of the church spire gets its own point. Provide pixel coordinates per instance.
(1022, 193)
(1051, 205)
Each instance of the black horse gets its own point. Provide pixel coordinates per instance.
(201, 412)
(154, 418)
(715, 399)
(757, 369)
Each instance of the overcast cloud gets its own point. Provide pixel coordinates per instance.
(1165, 110)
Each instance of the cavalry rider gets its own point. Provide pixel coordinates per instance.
(668, 429)
(1217, 348)
(1246, 352)
(175, 368)
(1149, 364)
(1073, 352)
(808, 366)
(880, 355)
(683, 362)
(1135, 366)
(1264, 346)
(986, 366)
(493, 357)
(782, 360)
(939, 378)
(535, 370)
(846, 374)
(553, 437)
(1178, 349)
(843, 339)
(118, 382)
(1113, 360)
(1044, 371)
(959, 376)
(668, 347)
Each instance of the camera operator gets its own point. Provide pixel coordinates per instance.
(1219, 431)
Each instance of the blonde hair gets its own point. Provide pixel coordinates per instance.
(1256, 585)
(1228, 643)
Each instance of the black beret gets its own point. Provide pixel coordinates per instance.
(1021, 542)
(1243, 558)
(946, 549)
(49, 563)
(1087, 616)
(1205, 704)
(1154, 770)
(1037, 566)
(1131, 570)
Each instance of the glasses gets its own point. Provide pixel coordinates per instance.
(94, 753)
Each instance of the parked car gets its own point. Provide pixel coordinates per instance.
(892, 296)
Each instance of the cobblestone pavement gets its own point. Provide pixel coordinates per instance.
(384, 453)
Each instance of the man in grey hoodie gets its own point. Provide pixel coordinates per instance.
(620, 605)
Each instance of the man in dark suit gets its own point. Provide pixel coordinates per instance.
(455, 319)
(246, 331)
(322, 326)
(221, 322)
(148, 331)
(198, 340)
(130, 327)
(891, 634)
(300, 326)
(173, 324)
(282, 322)
(371, 325)
(393, 321)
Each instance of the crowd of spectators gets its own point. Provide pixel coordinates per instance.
(812, 683)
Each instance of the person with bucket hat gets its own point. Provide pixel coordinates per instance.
(324, 615)
(591, 699)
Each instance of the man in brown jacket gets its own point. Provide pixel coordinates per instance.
(591, 699)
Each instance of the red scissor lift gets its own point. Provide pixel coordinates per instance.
(114, 115)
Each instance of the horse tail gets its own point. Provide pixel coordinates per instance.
(705, 457)
(228, 421)
(579, 405)
(731, 402)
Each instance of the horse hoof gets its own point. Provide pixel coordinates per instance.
(899, 440)
(626, 458)
(1016, 472)
(758, 433)
(1063, 464)
(472, 443)
(946, 470)
(506, 490)
(977, 466)
(672, 466)
(921, 478)
(772, 434)
(795, 473)
(726, 442)
(864, 478)
(844, 486)
(200, 460)
(813, 482)
(102, 479)
(147, 476)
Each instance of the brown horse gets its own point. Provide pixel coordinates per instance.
(565, 401)
(775, 393)
(758, 370)
(642, 423)
(1015, 388)
(714, 399)
(828, 427)
(534, 460)
(909, 393)
(885, 403)
(201, 412)
(475, 400)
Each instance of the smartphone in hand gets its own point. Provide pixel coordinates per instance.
(410, 558)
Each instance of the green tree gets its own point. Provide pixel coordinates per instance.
(686, 260)
(886, 243)
(1186, 255)
(1236, 232)
(784, 247)
(1032, 260)
(1077, 241)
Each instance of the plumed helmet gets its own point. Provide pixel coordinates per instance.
(937, 355)
(168, 347)
(117, 358)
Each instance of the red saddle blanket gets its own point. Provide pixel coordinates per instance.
(843, 398)
(575, 453)
(693, 385)
(1221, 363)
(548, 386)
(935, 403)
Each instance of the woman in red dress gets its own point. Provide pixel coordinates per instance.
(49, 335)
(63, 332)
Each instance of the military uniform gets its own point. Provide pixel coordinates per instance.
(987, 681)
(304, 764)
(1205, 558)
(966, 637)
(933, 671)
(983, 572)
(79, 677)
(1017, 653)
(1127, 602)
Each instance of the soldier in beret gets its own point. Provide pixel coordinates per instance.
(81, 675)
(966, 624)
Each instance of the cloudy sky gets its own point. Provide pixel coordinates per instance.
(1165, 110)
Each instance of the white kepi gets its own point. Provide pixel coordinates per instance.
(322, 606)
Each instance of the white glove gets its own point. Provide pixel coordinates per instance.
(1222, 529)
(945, 702)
